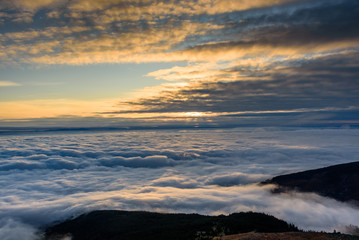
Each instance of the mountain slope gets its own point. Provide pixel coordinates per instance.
(108, 225)
(289, 236)
(340, 182)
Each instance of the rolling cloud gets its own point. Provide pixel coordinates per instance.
(46, 178)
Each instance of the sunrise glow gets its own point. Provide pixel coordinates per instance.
(178, 106)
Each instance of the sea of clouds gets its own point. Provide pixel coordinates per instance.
(46, 178)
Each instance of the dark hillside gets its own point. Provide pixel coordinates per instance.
(111, 225)
(340, 182)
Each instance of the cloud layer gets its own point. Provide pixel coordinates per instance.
(234, 63)
(320, 91)
(85, 32)
(276, 57)
(46, 178)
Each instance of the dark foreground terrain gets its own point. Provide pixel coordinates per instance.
(340, 182)
(289, 236)
(111, 225)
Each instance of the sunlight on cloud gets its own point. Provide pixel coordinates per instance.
(226, 44)
(214, 65)
(32, 5)
(91, 52)
(8, 84)
(192, 114)
(254, 85)
(47, 178)
(193, 72)
(158, 8)
(53, 108)
(162, 39)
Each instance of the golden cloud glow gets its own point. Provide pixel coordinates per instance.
(47, 108)
(217, 47)
(8, 84)
(146, 46)
(102, 51)
(30, 5)
(192, 114)
(156, 8)
(156, 41)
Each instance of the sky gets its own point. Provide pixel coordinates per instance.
(214, 63)
(270, 65)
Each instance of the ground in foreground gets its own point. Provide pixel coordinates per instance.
(111, 225)
(288, 236)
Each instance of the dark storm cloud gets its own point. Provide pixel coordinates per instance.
(301, 24)
(321, 83)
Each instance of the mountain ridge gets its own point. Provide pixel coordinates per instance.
(340, 182)
(126, 225)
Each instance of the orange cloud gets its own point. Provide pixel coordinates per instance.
(161, 39)
(47, 108)
(8, 84)
(30, 5)
(157, 8)
(113, 50)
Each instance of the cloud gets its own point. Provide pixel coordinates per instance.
(241, 57)
(239, 60)
(50, 177)
(144, 45)
(22, 165)
(301, 92)
(61, 164)
(50, 108)
(201, 31)
(250, 63)
(8, 84)
(176, 182)
(30, 5)
(236, 179)
(147, 162)
(154, 8)
(173, 7)
(13, 230)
